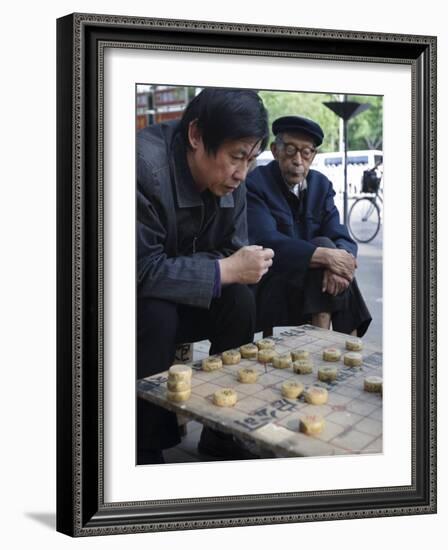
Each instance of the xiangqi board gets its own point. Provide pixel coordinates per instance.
(268, 421)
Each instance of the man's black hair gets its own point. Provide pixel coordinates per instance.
(226, 114)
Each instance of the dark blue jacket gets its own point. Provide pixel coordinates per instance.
(277, 220)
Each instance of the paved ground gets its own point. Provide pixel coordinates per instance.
(370, 281)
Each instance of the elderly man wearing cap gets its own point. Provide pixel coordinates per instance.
(291, 209)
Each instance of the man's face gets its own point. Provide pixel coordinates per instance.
(223, 172)
(295, 154)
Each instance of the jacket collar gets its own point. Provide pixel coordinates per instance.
(278, 178)
(187, 193)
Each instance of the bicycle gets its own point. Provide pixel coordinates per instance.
(364, 216)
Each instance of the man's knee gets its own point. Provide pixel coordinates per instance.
(157, 322)
(324, 242)
(239, 297)
(232, 318)
(236, 306)
(156, 317)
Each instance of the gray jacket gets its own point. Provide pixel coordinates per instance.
(176, 247)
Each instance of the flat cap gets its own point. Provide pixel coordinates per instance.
(300, 125)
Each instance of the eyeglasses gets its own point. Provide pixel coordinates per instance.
(291, 150)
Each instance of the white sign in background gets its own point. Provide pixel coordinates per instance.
(122, 480)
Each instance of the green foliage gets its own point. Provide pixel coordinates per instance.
(365, 130)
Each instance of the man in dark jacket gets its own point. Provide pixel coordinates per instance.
(193, 262)
(291, 210)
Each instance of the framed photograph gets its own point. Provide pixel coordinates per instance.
(123, 80)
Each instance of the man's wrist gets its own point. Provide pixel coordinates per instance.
(320, 257)
(225, 268)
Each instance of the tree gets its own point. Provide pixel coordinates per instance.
(309, 105)
(365, 130)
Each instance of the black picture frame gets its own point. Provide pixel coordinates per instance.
(81, 509)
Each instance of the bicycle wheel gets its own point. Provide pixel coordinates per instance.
(364, 219)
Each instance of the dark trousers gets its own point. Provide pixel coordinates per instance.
(289, 299)
(161, 325)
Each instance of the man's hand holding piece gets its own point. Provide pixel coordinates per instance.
(247, 265)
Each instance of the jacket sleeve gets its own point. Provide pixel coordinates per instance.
(290, 253)
(185, 280)
(332, 227)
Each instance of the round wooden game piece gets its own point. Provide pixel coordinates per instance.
(353, 344)
(178, 396)
(265, 343)
(292, 389)
(181, 385)
(231, 357)
(249, 351)
(302, 366)
(248, 375)
(353, 359)
(266, 355)
(316, 395)
(300, 354)
(226, 397)
(180, 373)
(331, 354)
(373, 384)
(211, 363)
(282, 361)
(311, 424)
(327, 374)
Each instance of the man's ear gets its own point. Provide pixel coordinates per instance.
(274, 149)
(194, 135)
